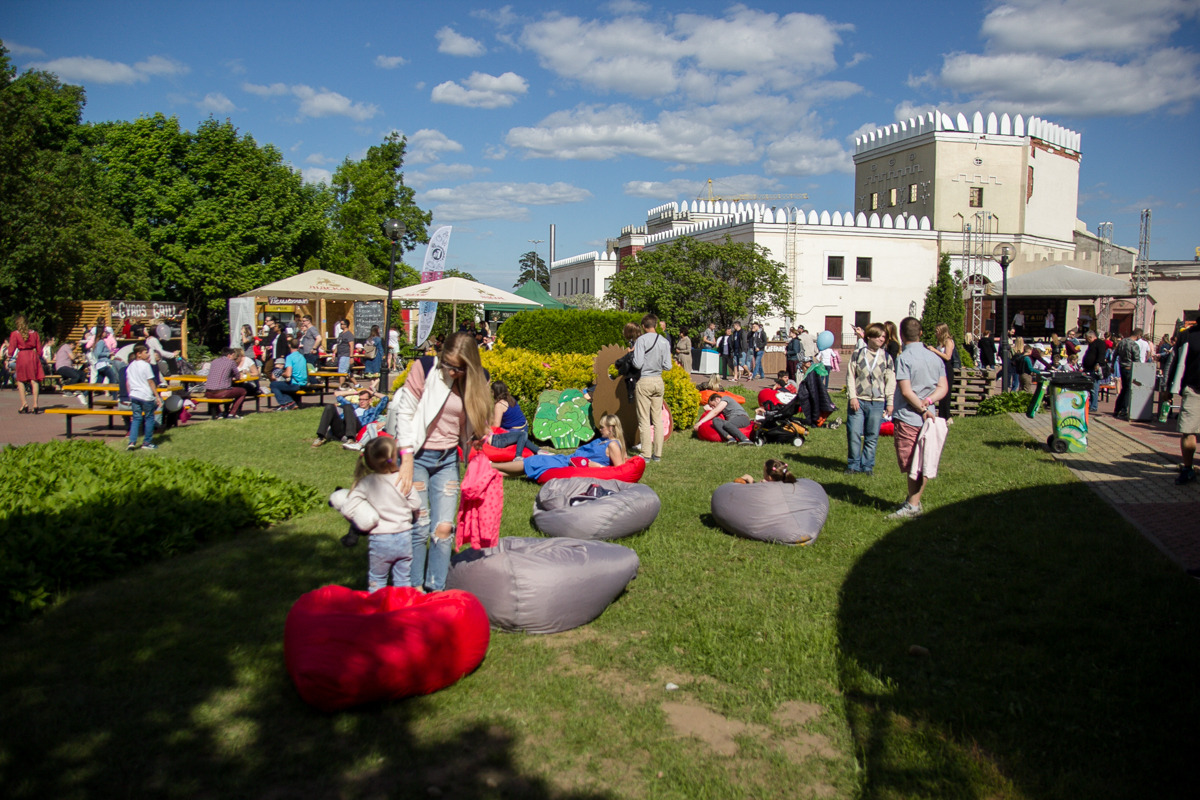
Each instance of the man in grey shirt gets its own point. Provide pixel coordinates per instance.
(309, 340)
(920, 384)
(652, 356)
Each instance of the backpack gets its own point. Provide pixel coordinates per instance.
(369, 348)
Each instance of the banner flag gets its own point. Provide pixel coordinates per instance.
(432, 270)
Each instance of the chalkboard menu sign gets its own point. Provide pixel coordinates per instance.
(366, 314)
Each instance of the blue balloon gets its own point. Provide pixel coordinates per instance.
(824, 340)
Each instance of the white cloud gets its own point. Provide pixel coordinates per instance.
(805, 154)
(390, 62)
(688, 189)
(506, 201)
(625, 7)
(216, 103)
(455, 44)
(318, 158)
(325, 103)
(440, 173)
(317, 175)
(1040, 84)
(427, 146)
(97, 70)
(22, 50)
(273, 90)
(481, 90)
(601, 132)
(1060, 27)
(235, 66)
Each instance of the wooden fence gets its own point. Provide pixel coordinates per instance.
(969, 388)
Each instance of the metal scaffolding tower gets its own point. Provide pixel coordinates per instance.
(976, 254)
(1141, 276)
(1104, 312)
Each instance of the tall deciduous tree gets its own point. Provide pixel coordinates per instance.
(690, 283)
(58, 239)
(365, 194)
(220, 213)
(533, 268)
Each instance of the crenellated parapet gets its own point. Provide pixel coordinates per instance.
(584, 258)
(1004, 125)
(743, 213)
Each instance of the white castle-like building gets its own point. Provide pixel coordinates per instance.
(922, 187)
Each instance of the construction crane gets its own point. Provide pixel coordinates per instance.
(753, 198)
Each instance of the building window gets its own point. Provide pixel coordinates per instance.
(912, 193)
(863, 269)
(862, 319)
(835, 268)
(874, 201)
(976, 197)
(893, 198)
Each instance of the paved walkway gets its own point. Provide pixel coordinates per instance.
(1132, 466)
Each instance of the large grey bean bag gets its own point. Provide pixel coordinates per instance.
(631, 508)
(544, 585)
(788, 513)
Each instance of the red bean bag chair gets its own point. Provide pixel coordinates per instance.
(499, 455)
(707, 433)
(344, 648)
(768, 396)
(887, 428)
(630, 472)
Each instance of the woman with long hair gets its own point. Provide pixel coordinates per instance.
(893, 345)
(947, 351)
(510, 419)
(28, 349)
(444, 403)
(372, 353)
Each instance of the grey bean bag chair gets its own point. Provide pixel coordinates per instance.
(630, 508)
(788, 513)
(544, 585)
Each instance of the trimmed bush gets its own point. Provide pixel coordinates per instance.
(75, 512)
(1005, 403)
(681, 396)
(566, 331)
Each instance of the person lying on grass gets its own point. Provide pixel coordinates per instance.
(728, 419)
(606, 450)
(344, 418)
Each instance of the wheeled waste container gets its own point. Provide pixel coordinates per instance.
(1069, 396)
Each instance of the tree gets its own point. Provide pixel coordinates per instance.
(220, 214)
(691, 283)
(533, 268)
(586, 302)
(364, 194)
(943, 303)
(59, 240)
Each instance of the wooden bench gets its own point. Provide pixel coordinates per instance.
(214, 403)
(51, 381)
(313, 390)
(71, 413)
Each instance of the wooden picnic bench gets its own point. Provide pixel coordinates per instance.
(71, 413)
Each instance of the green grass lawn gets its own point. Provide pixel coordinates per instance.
(1062, 652)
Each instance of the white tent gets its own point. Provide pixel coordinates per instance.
(459, 290)
(1061, 281)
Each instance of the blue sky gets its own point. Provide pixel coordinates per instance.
(586, 115)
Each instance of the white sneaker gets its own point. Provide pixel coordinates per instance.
(905, 511)
(352, 446)
(82, 398)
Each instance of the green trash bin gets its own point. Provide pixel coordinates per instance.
(1069, 396)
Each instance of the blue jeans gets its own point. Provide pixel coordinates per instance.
(757, 357)
(518, 436)
(1094, 404)
(862, 434)
(344, 364)
(388, 554)
(435, 477)
(284, 391)
(143, 415)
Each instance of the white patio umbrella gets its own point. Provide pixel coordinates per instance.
(459, 290)
(319, 284)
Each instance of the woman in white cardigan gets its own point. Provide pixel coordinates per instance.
(431, 416)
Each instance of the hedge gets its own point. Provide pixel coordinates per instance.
(75, 512)
(566, 330)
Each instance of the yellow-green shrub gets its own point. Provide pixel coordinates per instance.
(681, 396)
(528, 374)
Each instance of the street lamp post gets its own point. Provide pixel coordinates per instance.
(1003, 253)
(394, 229)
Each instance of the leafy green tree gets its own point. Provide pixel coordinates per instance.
(533, 268)
(587, 302)
(690, 283)
(220, 214)
(58, 239)
(944, 303)
(365, 193)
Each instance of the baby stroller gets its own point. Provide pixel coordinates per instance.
(779, 425)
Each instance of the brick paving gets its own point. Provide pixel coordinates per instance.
(1132, 466)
